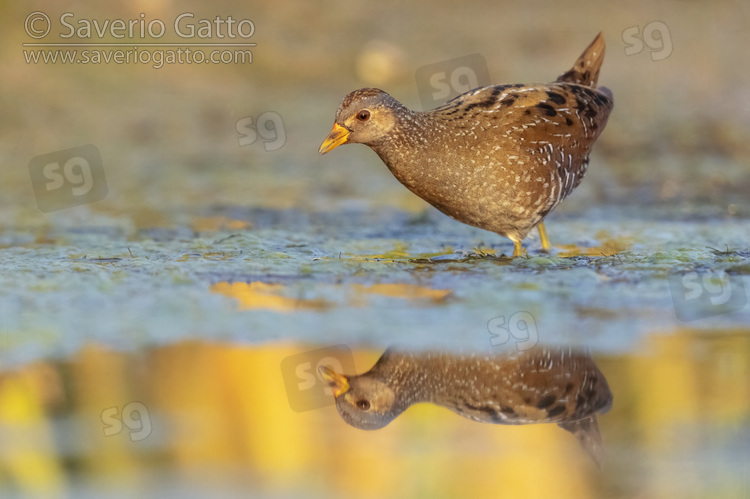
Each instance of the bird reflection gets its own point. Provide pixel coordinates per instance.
(540, 385)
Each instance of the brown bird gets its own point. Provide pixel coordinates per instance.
(540, 385)
(499, 157)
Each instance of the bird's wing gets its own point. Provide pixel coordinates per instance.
(552, 126)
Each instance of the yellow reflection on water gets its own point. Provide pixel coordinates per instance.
(608, 245)
(219, 416)
(254, 295)
(260, 295)
(28, 454)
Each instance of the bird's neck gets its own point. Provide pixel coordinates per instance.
(417, 377)
(413, 131)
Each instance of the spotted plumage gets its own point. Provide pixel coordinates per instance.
(499, 157)
(541, 385)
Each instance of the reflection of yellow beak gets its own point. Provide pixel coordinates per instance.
(338, 382)
(339, 135)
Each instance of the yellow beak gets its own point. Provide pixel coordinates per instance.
(339, 135)
(337, 381)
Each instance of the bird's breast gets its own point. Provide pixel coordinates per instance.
(482, 182)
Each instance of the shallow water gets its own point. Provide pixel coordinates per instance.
(174, 359)
(200, 419)
(368, 278)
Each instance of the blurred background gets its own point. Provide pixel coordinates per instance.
(168, 136)
(143, 332)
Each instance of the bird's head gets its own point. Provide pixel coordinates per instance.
(365, 116)
(363, 402)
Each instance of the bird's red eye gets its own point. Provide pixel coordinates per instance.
(363, 115)
(363, 405)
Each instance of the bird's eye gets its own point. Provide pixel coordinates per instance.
(363, 405)
(363, 115)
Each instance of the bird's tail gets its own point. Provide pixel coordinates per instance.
(587, 433)
(586, 69)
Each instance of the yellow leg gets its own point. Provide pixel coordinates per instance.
(543, 236)
(517, 248)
